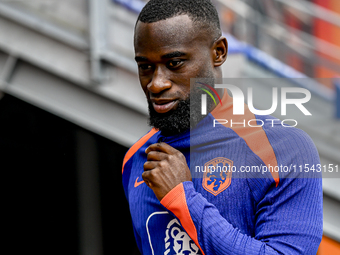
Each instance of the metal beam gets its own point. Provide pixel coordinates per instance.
(8, 68)
(282, 33)
(337, 102)
(98, 21)
(108, 118)
(313, 10)
(7, 72)
(43, 26)
(119, 60)
(331, 225)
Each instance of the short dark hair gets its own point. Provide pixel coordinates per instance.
(200, 11)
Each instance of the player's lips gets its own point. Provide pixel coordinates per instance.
(164, 106)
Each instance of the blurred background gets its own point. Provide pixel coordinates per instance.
(71, 105)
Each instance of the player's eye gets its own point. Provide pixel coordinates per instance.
(145, 67)
(174, 63)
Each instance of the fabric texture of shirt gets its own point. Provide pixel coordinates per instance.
(256, 189)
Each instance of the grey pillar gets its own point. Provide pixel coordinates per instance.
(90, 234)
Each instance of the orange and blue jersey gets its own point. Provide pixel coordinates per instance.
(251, 192)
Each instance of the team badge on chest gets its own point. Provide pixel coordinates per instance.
(217, 175)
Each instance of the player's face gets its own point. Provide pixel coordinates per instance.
(168, 54)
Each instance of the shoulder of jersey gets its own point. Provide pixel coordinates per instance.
(137, 146)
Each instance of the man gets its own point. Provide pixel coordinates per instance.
(225, 212)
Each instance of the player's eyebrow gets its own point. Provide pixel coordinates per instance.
(141, 59)
(175, 54)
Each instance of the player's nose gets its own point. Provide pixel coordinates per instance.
(159, 81)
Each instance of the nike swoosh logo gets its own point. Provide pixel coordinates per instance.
(138, 183)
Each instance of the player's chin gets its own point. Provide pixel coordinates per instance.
(175, 121)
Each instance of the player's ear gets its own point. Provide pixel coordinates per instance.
(220, 51)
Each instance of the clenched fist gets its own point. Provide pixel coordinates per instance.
(164, 169)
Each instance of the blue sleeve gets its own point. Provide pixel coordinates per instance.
(289, 221)
(288, 218)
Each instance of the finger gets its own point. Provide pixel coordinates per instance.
(162, 147)
(149, 165)
(156, 156)
(146, 178)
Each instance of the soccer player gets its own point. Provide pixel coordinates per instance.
(222, 211)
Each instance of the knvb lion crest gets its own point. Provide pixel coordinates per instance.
(217, 176)
(178, 242)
